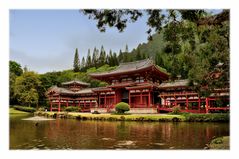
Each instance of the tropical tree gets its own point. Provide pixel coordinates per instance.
(15, 70)
(26, 88)
(156, 18)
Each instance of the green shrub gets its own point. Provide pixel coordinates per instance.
(207, 117)
(72, 109)
(176, 110)
(122, 107)
(25, 109)
(95, 112)
(41, 109)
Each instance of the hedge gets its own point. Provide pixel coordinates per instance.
(207, 117)
(25, 109)
(72, 109)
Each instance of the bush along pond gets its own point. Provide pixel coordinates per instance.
(185, 117)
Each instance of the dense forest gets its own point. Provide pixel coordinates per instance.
(186, 48)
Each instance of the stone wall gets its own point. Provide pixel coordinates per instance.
(100, 110)
(143, 110)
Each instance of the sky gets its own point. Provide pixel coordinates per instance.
(45, 40)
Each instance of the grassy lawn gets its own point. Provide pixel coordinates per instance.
(131, 117)
(14, 111)
(220, 143)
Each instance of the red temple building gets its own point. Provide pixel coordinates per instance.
(72, 93)
(179, 93)
(142, 85)
(135, 83)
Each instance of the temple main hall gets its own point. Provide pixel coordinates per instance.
(143, 85)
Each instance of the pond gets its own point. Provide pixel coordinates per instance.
(75, 134)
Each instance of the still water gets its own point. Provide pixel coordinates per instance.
(74, 134)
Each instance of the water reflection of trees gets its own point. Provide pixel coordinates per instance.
(178, 135)
(104, 134)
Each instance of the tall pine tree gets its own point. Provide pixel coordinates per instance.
(115, 59)
(83, 64)
(76, 65)
(102, 58)
(126, 48)
(120, 57)
(143, 56)
(94, 58)
(88, 60)
(107, 60)
(111, 59)
(138, 55)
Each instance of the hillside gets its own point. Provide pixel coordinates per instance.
(151, 48)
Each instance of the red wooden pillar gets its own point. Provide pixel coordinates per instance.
(207, 105)
(149, 98)
(115, 98)
(59, 105)
(67, 103)
(129, 99)
(164, 101)
(141, 97)
(199, 102)
(90, 103)
(99, 100)
(50, 105)
(175, 101)
(152, 101)
(105, 101)
(186, 102)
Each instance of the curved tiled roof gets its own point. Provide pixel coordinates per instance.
(101, 89)
(76, 82)
(129, 67)
(177, 83)
(60, 90)
(84, 91)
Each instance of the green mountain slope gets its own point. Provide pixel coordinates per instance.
(152, 47)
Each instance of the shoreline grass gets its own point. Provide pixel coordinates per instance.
(113, 117)
(138, 117)
(220, 143)
(14, 111)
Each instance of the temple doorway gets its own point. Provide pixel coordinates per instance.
(125, 96)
